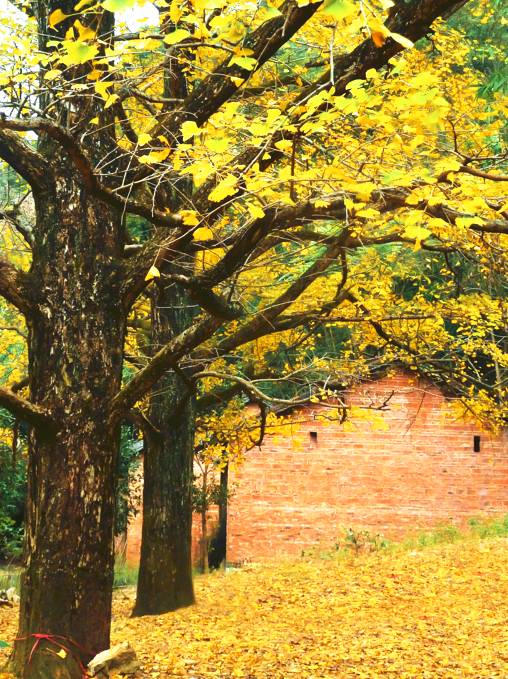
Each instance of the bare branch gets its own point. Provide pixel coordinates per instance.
(250, 388)
(483, 175)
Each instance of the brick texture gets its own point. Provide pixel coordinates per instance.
(412, 465)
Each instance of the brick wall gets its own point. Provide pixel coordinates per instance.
(410, 465)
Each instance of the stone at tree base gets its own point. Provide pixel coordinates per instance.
(120, 658)
(8, 597)
(12, 595)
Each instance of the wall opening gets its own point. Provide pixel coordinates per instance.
(313, 437)
(476, 444)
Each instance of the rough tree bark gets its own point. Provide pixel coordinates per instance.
(76, 334)
(165, 572)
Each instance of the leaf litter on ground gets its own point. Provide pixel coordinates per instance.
(438, 612)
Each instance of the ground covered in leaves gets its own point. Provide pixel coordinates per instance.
(438, 612)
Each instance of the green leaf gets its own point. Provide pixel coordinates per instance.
(247, 63)
(78, 52)
(4, 644)
(340, 9)
(118, 5)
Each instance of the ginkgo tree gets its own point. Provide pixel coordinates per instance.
(231, 149)
(425, 91)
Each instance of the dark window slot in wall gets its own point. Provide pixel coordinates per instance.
(476, 444)
(313, 437)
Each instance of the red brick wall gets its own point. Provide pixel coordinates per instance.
(416, 471)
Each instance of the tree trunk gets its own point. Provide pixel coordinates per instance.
(76, 339)
(217, 553)
(203, 551)
(165, 572)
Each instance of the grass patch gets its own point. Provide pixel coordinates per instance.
(352, 541)
(489, 529)
(125, 575)
(9, 577)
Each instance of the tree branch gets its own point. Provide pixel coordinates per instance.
(410, 19)
(12, 287)
(22, 158)
(249, 387)
(25, 410)
(165, 359)
(85, 168)
(483, 175)
(11, 216)
(249, 237)
(207, 299)
(219, 86)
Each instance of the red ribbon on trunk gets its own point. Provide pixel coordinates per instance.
(54, 639)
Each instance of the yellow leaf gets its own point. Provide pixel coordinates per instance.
(56, 17)
(340, 9)
(175, 11)
(118, 5)
(405, 42)
(95, 74)
(189, 129)
(62, 653)
(154, 157)
(203, 233)
(51, 75)
(111, 100)
(153, 272)
(217, 145)
(176, 36)
(247, 63)
(255, 211)
(418, 233)
(85, 32)
(284, 144)
(226, 187)
(412, 199)
(101, 87)
(78, 52)
(378, 38)
(190, 217)
(144, 138)
(466, 222)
